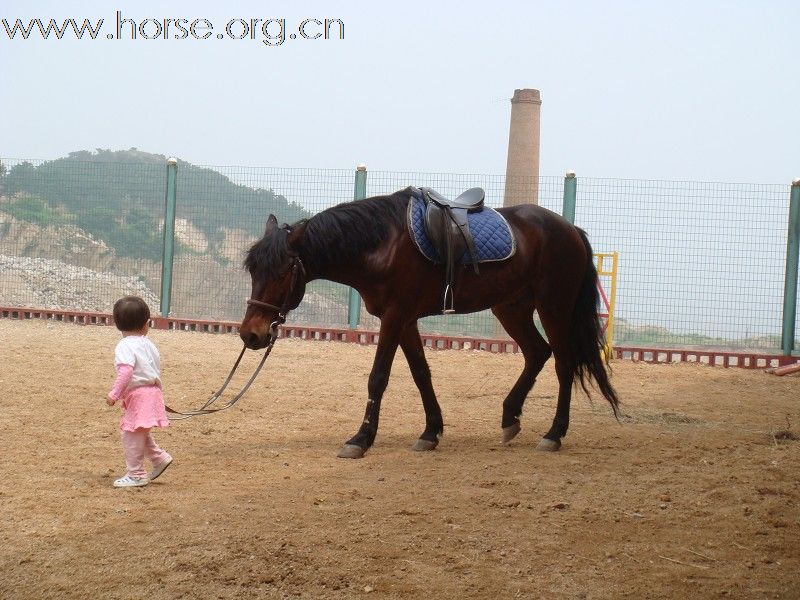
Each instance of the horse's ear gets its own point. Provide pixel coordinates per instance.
(272, 224)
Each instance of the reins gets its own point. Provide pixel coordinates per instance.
(205, 410)
(297, 271)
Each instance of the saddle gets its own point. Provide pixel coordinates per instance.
(448, 230)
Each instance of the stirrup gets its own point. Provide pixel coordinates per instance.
(448, 311)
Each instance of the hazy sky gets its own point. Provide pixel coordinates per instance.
(706, 90)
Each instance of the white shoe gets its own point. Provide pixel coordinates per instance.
(159, 469)
(129, 481)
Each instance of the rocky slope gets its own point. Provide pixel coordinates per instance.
(63, 267)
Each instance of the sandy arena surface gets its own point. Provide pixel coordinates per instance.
(693, 495)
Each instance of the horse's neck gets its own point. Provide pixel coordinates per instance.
(344, 272)
(342, 261)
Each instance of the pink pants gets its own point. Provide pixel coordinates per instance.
(137, 445)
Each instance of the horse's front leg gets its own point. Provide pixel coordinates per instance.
(414, 351)
(388, 340)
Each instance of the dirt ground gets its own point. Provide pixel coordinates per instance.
(694, 494)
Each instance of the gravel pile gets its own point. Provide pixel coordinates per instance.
(53, 284)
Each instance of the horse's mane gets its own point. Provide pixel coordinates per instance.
(269, 253)
(335, 235)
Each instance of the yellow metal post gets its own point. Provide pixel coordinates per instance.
(613, 257)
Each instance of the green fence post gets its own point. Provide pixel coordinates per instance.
(169, 236)
(790, 280)
(570, 192)
(354, 300)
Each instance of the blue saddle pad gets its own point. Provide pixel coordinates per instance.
(490, 231)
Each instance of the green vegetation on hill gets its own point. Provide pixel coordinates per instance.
(36, 210)
(118, 196)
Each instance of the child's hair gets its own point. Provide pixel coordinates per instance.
(131, 313)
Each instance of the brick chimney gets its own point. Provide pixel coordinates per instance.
(522, 168)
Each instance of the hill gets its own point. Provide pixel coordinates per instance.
(80, 231)
(118, 197)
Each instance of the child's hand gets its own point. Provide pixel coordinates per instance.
(110, 401)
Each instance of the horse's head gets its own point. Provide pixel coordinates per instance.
(278, 283)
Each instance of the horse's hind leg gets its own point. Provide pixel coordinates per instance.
(414, 352)
(556, 325)
(517, 320)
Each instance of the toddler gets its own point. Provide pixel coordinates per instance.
(138, 385)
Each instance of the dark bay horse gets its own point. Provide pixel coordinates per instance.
(366, 244)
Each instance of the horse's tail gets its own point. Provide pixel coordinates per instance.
(587, 334)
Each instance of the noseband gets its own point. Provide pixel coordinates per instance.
(297, 271)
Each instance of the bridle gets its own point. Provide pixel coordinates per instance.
(298, 271)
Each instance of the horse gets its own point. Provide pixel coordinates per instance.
(366, 244)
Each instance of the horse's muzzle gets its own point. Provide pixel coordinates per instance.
(253, 341)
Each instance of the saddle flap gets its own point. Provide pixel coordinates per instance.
(442, 231)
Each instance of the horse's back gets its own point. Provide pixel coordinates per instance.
(541, 233)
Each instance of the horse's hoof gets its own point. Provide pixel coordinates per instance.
(424, 445)
(351, 451)
(548, 445)
(510, 432)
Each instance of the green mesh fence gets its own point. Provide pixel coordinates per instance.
(227, 210)
(76, 235)
(701, 264)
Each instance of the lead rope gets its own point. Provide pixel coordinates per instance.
(204, 410)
